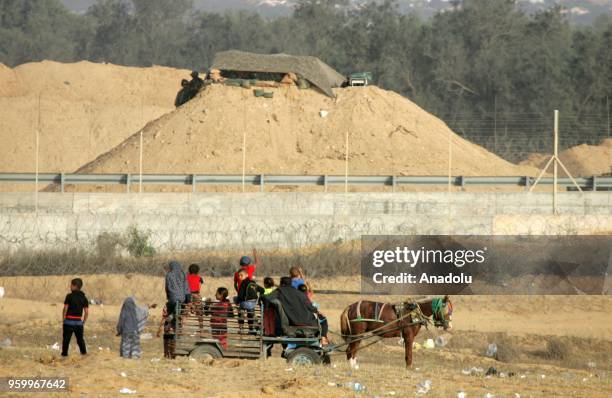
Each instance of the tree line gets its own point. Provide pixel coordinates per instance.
(480, 58)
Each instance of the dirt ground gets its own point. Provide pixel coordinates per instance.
(523, 327)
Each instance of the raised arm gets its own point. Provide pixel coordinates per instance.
(255, 258)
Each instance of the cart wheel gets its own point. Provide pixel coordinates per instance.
(303, 356)
(205, 351)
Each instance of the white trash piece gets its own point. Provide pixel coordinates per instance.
(55, 346)
(1, 292)
(424, 387)
(126, 390)
(146, 336)
(323, 113)
(440, 341)
(429, 343)
(355, 386)
(123, 374)
(6, 343)
(461, 394)
(491, 350)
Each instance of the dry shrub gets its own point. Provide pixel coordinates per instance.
(507, 349)
(340, 258)
(556, 349)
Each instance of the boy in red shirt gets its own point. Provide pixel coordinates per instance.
(247, 265)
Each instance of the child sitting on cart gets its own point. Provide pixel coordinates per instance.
(219, 312)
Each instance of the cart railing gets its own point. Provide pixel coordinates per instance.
(236, 332)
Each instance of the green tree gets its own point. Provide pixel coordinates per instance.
(33, 30)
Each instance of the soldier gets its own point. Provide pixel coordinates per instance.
(183, 95)
(196, 83)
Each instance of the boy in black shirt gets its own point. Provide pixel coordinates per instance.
(248, 295)
(76, 310)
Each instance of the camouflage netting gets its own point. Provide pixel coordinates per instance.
(312, 69)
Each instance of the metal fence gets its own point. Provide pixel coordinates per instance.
(515, 136)
(61, 180)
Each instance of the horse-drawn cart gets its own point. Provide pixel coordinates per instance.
(205, 330)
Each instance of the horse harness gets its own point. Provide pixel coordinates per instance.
(438, 318)
(415, 315)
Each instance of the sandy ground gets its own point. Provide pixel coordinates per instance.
(521, 324)
(388, 134)
(581, 161)
(80, 110)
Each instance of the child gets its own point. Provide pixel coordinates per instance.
(74, 315)
(269, 285)
(132, 321)
(167, 325)
(220, 311)
(298, 278)
(195, 282)
(271, 326)
(248, 295)
(247, 265)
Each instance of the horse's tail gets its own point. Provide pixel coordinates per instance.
(345, 324)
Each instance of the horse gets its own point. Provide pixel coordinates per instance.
(363, 319)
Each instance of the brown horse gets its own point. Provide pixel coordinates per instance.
(365, 318)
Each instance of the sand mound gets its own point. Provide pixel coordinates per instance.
(9, 82)
(85, 110)
(301, 132)
(581, 160)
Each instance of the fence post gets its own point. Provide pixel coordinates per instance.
(594, 183)
(193, 183)
(393, 183)
(261, 182)
(325, 181)
(62, 181)
(527, 182)
(608, 113)
(462, 181)
(128, 181)
(556, 157)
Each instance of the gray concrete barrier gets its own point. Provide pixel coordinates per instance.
(183, 221)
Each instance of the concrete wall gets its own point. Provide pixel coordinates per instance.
(287, 220)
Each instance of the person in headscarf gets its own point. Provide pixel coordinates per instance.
(177, 287)
(292, 306)
(132, 321)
